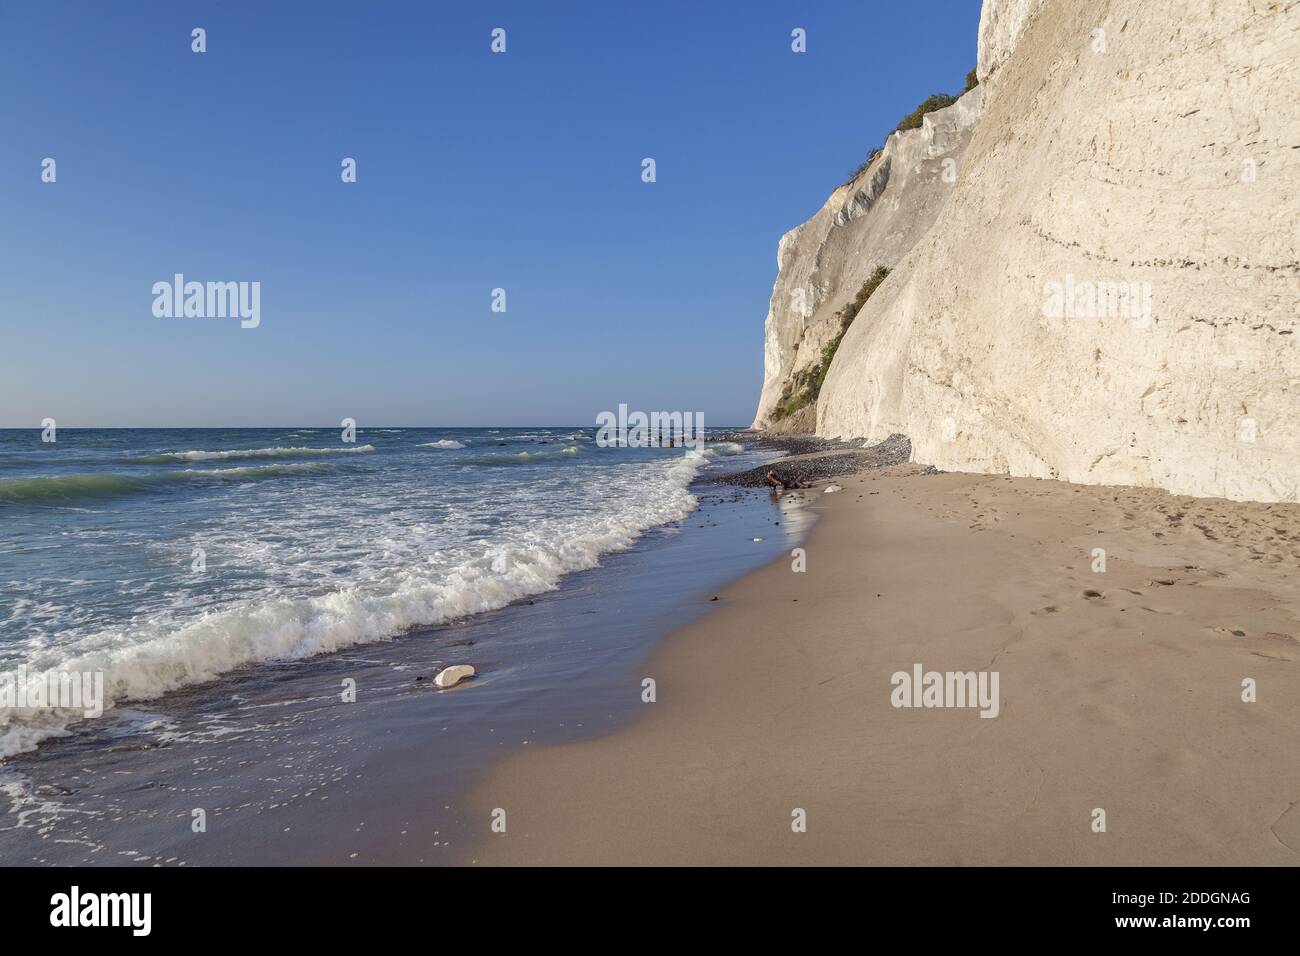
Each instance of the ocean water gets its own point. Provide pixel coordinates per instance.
(164, 558)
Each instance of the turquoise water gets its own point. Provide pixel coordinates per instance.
(166, 557)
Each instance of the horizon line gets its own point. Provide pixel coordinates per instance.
(37, 428)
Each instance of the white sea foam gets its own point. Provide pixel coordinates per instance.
(723, 448)
(524, 457)
(164, 651)
(262, 471)
(443, 443)
(282, 452)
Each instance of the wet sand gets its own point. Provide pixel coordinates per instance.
(1119, 690)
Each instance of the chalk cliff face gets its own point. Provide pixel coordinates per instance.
(1001, 22)
(1109, 293)
(868, 222)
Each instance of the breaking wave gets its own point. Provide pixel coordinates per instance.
(62, 489)
(247, 453)
(153, 656)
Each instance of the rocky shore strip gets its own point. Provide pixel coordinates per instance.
(808, 459)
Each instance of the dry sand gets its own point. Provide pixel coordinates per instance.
(1129, 700)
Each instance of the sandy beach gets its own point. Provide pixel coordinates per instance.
(800, 435)
(1120, 690)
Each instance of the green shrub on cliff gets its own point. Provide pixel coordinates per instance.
(912, 120)
(859, 300)
(862, 167)
(796, 394)
(804, 386)
(935, 101)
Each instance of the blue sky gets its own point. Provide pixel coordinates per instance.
(475, 171)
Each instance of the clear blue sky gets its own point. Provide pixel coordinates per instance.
(475, 171)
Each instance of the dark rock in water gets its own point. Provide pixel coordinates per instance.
(54, 790)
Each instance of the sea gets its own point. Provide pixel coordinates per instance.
(267, 610)
(163, 558)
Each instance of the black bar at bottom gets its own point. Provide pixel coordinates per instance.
(335, 906)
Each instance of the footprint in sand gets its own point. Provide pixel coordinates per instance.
(1176, 761)
(1103, 715)
(1230, 632)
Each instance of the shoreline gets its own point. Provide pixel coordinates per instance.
(288, 776)
(1116, 691)
(1121, 691)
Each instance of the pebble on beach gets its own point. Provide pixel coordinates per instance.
(453, 675)
(812, 459)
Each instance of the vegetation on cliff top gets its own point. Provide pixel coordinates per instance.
(935, 101)
(805, 385)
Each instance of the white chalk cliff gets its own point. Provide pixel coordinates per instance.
(1108, 292)
(869, 221)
